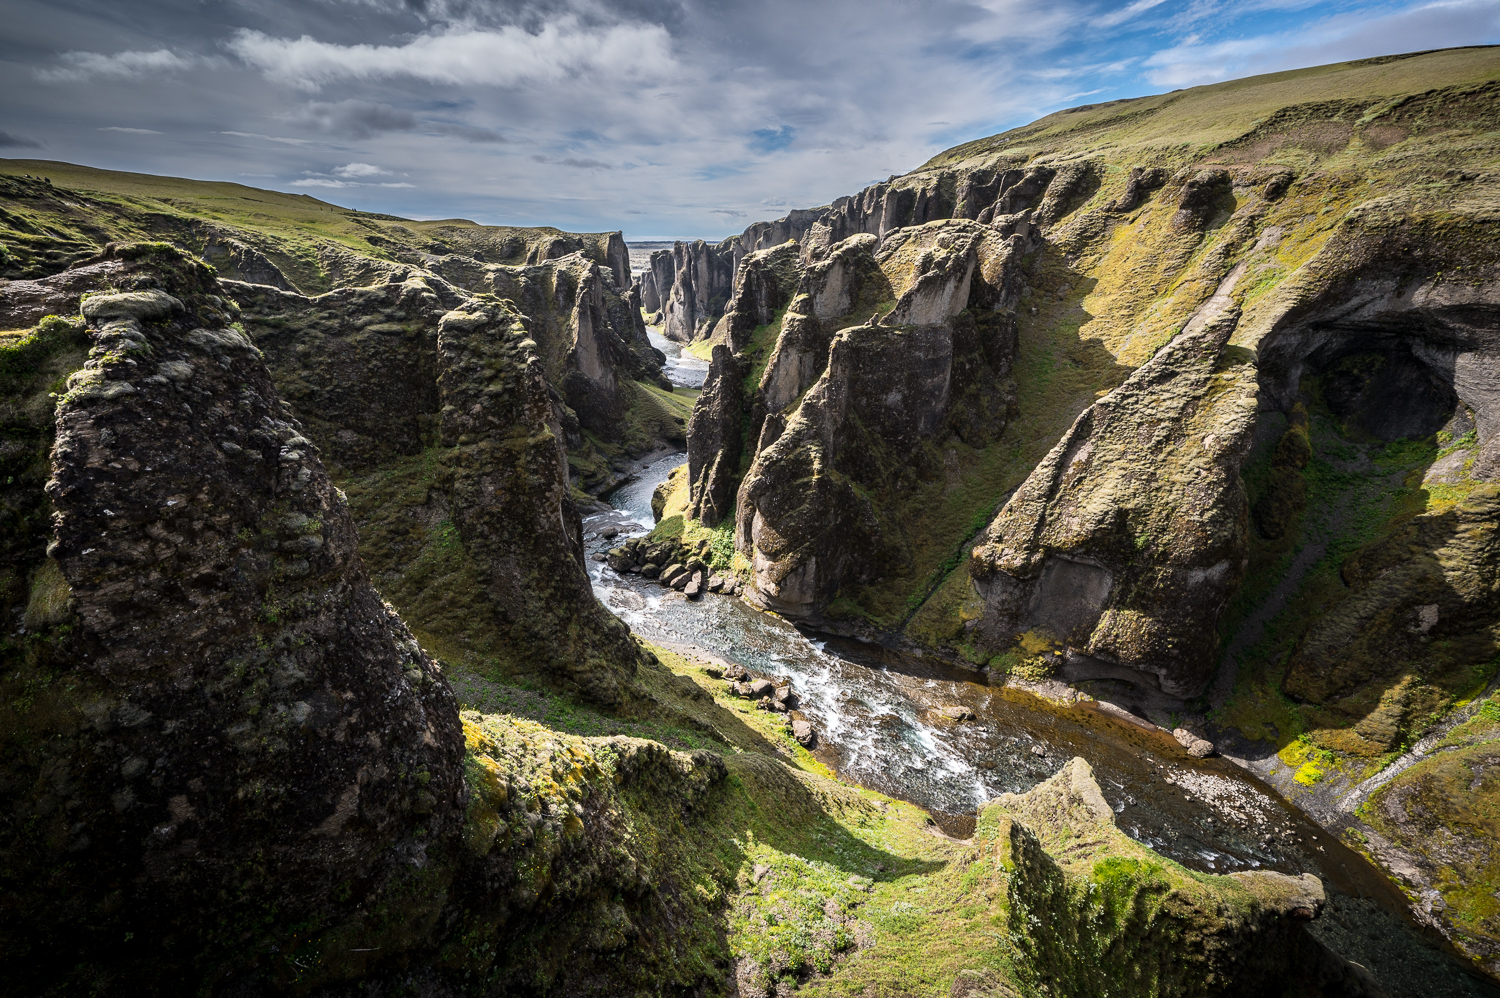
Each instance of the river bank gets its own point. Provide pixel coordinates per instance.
(881, 724)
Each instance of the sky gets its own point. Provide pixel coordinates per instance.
(663, 118)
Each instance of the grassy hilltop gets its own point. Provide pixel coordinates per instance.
(310, 241)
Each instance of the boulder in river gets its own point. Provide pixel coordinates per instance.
(956, 712)
(650, 570)
(693, 590)
(1198, 748)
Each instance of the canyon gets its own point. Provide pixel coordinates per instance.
(1153, 430)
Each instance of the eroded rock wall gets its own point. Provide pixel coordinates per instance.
(813, 511)
(236, 724)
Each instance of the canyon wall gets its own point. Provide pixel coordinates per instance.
(1235, 452)
(230, 767)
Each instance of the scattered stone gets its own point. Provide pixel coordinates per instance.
(987, 764)
(736, 672)
(1198, 748)
(759, 873)
(714, 671)
(601, 557)
(716, 583)
(762, 688)
(693, 590)
(785, 696)
(651, 571)
(619, 561)
(680, 581)
(1038, 751)
(609, 533)
(804, 733)
(671, 572)
(956, 713)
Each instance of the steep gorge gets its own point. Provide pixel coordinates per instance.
(1114, 505)
(1062, 406)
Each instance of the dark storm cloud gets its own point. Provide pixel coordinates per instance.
(581, 113)
(353, 119)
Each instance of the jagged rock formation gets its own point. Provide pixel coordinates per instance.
(1250, 451)
(703, 277)
(226, 764)
(240, 733)
(511, 504)
(402, 369)
(692, 283)
(1118, 551)
(814, 510)
(717, 430)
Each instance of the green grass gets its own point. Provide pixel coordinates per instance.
(1200, 119)
(294, 230)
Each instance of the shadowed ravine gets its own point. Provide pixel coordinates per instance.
(875, 711)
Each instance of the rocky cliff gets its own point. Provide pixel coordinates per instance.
(214, 723)
(691, 284)
(573, 290)
(1234, 456)
(228, 766)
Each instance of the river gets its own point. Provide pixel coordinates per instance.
(878, 724)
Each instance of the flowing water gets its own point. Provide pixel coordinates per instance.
(878, 722)
(682, 369)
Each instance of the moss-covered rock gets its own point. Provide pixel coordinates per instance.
(216, 733)
(1095, 913)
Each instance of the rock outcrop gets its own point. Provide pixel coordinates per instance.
(416, 368)
(1126, 542)
(703, 279)
(727, 411)
(692, 283)
(1095, 913)
(244, 727)
(815, 509)
(512, 506)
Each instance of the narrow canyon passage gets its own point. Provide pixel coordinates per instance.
(878, 721)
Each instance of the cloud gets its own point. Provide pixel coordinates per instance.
(576, 163)
(130, 131)
(469, 133)
(270, 138)
(353, 119)
(7, 140)
(1332, 39)
(729, 212)
(1125, 13)
(505, 57)
(359, 170)
(81, 66)
(329, 182)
